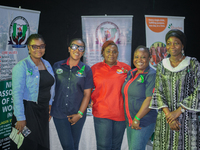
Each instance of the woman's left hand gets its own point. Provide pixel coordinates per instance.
(73, 118)
(135, 125)
(49, 112)
(173, 115)
(175, 125)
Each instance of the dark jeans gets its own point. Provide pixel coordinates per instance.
(68, 134)
(109, 133)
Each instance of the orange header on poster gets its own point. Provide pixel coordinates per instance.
(156, 24)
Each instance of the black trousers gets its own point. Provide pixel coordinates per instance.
(27, 145)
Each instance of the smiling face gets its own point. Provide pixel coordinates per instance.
(110, 55)
(174, 46)
(38, 52)
(141, 59)
(76, 54)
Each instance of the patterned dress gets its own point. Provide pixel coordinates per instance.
(174, 87)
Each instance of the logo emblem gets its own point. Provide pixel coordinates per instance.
(19, 32)
(107, 31)
(80, 72)
(59, 71)
(141, 79)
(170, 26)
(122, 70)
(119, 71)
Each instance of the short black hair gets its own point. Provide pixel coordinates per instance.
(76, 39)
(145, 49)
(33, 37)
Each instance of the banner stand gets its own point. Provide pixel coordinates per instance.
(16, 25)
(98, 29)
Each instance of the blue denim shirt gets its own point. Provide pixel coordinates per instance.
(25, 84)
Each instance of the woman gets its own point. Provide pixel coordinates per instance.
(33, 91)
(109, 121)
(176, 97)
(74, 83)
(137, 91)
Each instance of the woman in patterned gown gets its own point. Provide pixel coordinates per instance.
(176, 96)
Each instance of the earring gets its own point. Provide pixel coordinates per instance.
(167, 55)
(183, 52)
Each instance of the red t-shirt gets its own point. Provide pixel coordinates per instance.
(107, 97)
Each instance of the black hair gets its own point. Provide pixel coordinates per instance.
(76, 39)
(143, 47)
(33, 37)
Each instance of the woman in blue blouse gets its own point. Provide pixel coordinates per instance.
(137, 91)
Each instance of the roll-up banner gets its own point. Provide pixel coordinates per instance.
(98, 29)
(156, 29)
(15, 27)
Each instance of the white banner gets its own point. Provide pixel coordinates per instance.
(98, 29)
(156, 29)
(15, 27)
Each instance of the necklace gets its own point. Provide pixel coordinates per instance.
(176, 60)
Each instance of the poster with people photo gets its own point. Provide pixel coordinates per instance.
(158, 52)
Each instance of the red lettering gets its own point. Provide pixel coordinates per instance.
(5, 52)
(13, 52)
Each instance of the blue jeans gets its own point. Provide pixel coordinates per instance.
(137, 139)
(68, 134)
(109, 133)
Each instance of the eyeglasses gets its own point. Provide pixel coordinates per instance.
(35, 47)
(80, 48)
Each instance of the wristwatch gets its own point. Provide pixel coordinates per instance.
(135, 122)
(182, 109)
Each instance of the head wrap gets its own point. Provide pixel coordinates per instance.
(106, 44)
(176, 33)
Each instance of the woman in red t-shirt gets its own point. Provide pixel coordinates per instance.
(108, 77)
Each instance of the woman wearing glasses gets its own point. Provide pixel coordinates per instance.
(74, 83)
(33, 91)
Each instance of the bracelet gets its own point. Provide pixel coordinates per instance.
(137, 118)
(166, 114)
(79, 112)
(80, 115)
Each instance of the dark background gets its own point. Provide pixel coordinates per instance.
(60, 20)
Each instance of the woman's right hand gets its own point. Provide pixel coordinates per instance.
(135, 124)
(20, 125)
(73, 118)
(171, 116)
